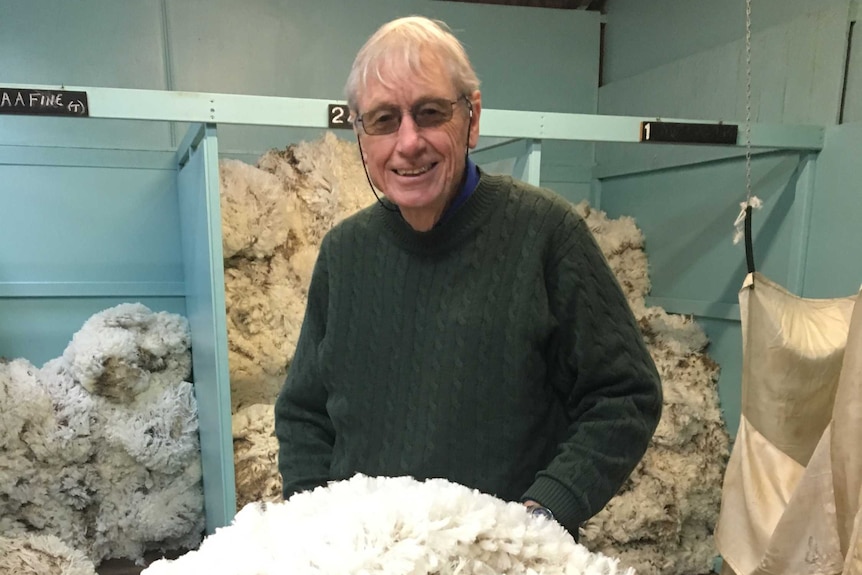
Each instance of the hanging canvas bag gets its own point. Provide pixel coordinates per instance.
(779, 513)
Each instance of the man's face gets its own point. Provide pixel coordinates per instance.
(417, 168)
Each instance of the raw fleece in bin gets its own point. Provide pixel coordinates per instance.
(46, 483)
(274, 216)
(42, 555)
(125, 350)
(249, 197)
(101, 447)
(396, 526)
(255, 455)
(148, 472)
(27, 409)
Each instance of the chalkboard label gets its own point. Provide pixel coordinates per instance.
(688, 133)
(339, 117)
(26, 102)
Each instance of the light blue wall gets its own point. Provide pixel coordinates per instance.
(84, 43)
(298, 48)
(797, 77)
(672, 58)
(39, 329)
(687, 216)
(88, 227)
(81, 233)
(832, 269)
(684, 59)
(642, 35)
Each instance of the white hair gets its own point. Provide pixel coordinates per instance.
(411, 43)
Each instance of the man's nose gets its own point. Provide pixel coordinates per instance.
(409, 138)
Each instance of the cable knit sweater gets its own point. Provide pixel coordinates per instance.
(496, 350)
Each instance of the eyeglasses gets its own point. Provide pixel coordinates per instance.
(428, 113)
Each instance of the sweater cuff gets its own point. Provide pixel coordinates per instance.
(569, 510)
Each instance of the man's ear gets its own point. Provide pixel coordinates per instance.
(353, 123)
(476, 102)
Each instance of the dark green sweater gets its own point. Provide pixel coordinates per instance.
(496, 351)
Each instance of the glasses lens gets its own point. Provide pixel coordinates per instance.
(381, 121)
(432, 113)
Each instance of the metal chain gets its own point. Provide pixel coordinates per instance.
(748, 101)
(750, 201)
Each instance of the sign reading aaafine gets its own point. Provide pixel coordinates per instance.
(27, 102)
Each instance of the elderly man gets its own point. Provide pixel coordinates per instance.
(465, 326)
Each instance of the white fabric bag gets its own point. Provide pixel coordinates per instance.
(796, 458)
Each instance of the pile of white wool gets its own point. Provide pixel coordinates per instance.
(99, 448)
(389, 526)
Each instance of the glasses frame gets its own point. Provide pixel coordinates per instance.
(412, 111)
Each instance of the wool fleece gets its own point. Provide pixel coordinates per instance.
(389, 526)
(42, 555)
(274, 216)
(100, 447)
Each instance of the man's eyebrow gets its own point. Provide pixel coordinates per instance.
(427, 99)
(419, 101)
(381, 106)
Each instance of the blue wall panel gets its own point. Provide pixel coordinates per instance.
(834, 267)
(644, 35)
(205, 300)
(797, 78)
(77, 224)
(725, 347)
(299, 48)
(81, 231)
(39, 329)
(83, 43)
(676, 58)
(687, 218)
(92, 133)
(295, 48)
(304, 48)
